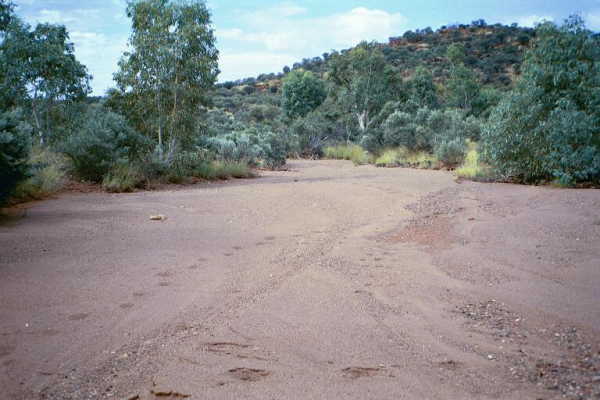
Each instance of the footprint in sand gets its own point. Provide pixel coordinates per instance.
(249, 374)
(360, 372)
(78, 316)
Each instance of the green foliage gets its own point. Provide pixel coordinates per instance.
(312, 132)
(451, 152)
(48, 174)
(473, 168)
(302, 93)
(363, 82)
(462, 88)
(548, 127)
(170, 70)
(15, 147)
(103, 140)
(423, 92)
(275, 149)
(352, 152)
(456, 53)
(402, 157)
(39, 72)
(124, 177)
(427, 129)
(253, 146)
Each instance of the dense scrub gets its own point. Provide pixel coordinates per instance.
(548, 127)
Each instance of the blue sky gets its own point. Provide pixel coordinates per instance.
(263, 36)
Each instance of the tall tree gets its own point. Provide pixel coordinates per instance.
(53, 74)
(423, 92)
(463, 86)
(364, 80)
(172, 65)
(39, 69)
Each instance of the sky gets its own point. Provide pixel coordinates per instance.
(263, 36)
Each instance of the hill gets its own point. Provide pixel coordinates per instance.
(495, 52)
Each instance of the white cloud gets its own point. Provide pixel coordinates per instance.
(235, 65)
(100, 53)
(592, 20)
(529, 21)
(76, 17)
(283, 35)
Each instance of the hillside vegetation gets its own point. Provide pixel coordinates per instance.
(524, 103)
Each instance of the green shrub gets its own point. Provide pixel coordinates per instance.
(124, 177)
(402, 157)
(49, 173)
(226, 170)
(184, 165)
(274, 149)
(15, 147)
(352, 152)
(548, 128)
(104, 140)
(391, 157)
(425, 129)
(473, 168)
(253, 146)
(223, 170)
(311, 132)
(452, 152)
(400, 129)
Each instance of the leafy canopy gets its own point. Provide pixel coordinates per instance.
(170, 70)
(549, 126)
(302, 93)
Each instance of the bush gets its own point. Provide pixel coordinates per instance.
(311, 132)
(104, 140)
(400, 129)
(473, 168)
(352, 152)
(390, 158)
(548, 127)
(15, 147)
(402, 157)
(274, 149)
(49, 172)
(124, 177)
(452, 152)
(302, 93)
(253, 146)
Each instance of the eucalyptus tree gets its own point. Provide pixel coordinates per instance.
(549, 125)
(39, 70)
(364, 82)
(53, 75)
(169, 70)
(302, 93)
(463, 86)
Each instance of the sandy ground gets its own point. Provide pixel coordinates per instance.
(327, 281)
